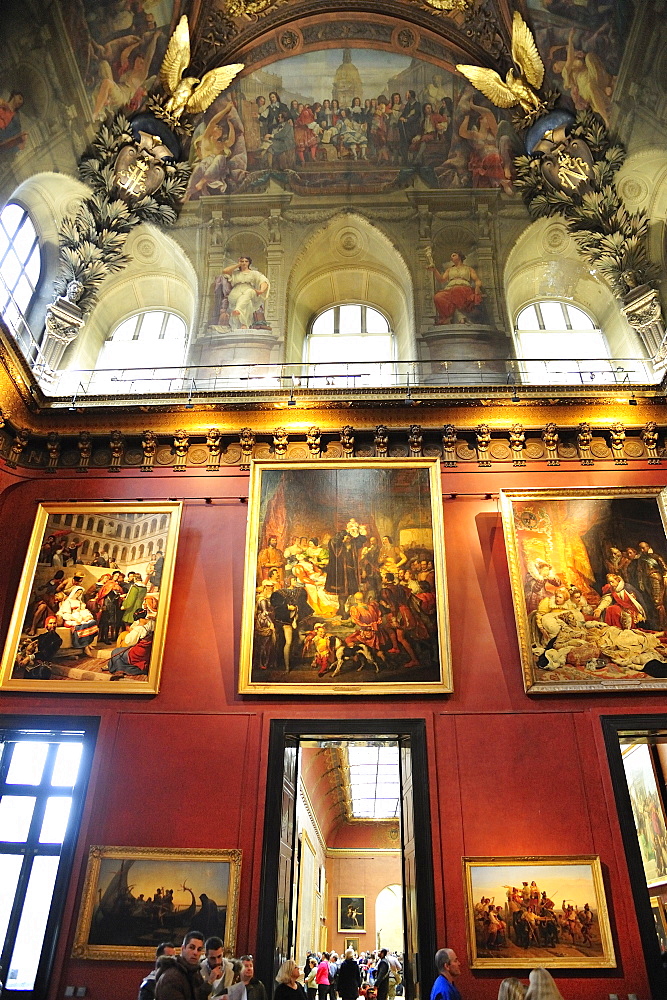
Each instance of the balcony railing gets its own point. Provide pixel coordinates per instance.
(386, 378)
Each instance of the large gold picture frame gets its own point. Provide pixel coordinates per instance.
(345, 579)
(537, 911)
(588, 570)
(93, 602)
(135, 897)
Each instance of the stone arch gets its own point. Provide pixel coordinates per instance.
(47, 197)
(350, 259)
(544, 263)
(159, 276)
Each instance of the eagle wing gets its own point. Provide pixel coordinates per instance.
(490, 84)
(177, 57)
(212, 84)
(525, 54)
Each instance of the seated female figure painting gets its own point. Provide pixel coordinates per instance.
(240, 294)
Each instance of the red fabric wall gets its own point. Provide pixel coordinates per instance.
(509, 774)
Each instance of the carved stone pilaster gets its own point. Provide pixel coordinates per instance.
(149, 448)
(649, 436)
(214, 445)
(313, 440)
(641, 308)
(415, 441)
(550, 439)
(381, 441)
(449, 446)
(347, 441)
(517, 444)
(117, 448)
(180, 447)
(247, 442)
(483, 436)
(18, 445)
(53, 448)
(85, 446)
(280, 442)
(64, 320)
(584, 441)
(617, 442)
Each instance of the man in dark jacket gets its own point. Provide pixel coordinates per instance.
(183, 981)
(382, 976)
(147, 988)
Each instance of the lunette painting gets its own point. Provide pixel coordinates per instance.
(588, 571)
(648, 810)
(529, 912)
(345, 584)
(134, 898)
(93, 602)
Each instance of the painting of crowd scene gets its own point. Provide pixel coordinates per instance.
(350, 119)
(588, 579)
(582, 42)
(345, 580)
(93, 602)
(135, 898)
(537, 912)
(648, 811)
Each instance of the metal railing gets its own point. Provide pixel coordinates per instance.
(91, 387)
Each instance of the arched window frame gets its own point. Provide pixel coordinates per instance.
(147, 351)
(370, 368)
(27, 253)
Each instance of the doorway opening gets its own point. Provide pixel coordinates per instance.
(637, 752)
(347, 859)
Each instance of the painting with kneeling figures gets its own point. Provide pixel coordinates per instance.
(93, 601)
(588, 571)
(345, 579)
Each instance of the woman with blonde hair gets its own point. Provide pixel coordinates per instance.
(289, 988)
(541, 986)
(511, 989)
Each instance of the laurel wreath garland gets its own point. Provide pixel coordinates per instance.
(92, 241)
(610, 238)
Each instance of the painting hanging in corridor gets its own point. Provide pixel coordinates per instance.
(93, 602)
(345, 579)
(588, 571)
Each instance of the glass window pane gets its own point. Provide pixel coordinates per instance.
(30, 936)
(175, 328)
(527, 319)
(126, 329)
(375, 322)
(324, 324)
(4, 243)
(10, 869)
(578, 319)
(11, 270)
(23, 294)
(33, 266)
(10, 217)
(24, 240)
(56, 815)
(66, 767)
(151, 324)
(15, 815)
(27, 764)
(350, 319)
(552, 315)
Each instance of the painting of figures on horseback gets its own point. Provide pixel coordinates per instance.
(134, 898)
(529, 912)
(345, 579)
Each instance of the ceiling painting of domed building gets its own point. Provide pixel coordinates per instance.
(340, 120)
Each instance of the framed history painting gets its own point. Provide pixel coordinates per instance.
(93, 601)
(647, 809)
(588, 571)
(660, 920)
(529, 912)
(136, 897)
(352, 914)
(345, 579)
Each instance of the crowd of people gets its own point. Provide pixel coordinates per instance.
(204, 970)
(347, 600)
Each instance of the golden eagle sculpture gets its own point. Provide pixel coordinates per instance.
(189, 93)
(516, 88)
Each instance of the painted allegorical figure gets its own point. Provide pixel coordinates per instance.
(462, 292)
(241, 292)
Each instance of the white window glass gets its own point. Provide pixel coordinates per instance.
(30, 935)
(375, 322)
(24, 239)
(56, 815)
(27, 764)
(552, 316)
(527, 319)
(126, 330)
(66, 767)
(579, 320)
(15, 816)
(350, 319)
(11, 218)
(151, 325)
(23, 293)
(10, 869)
(33, 266)
(324, 324)
(175, 328)
(11, 270)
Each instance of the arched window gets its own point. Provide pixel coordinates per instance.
(354, 342)
(133, 553)
(153, 340)
(163, 522)
(141, 551)
(559, 343)
(100, 527)
(153, 525)
(123, 554)
(20, 267)
(79, 521)
(85, 547)
(90, 524)
(128, 532)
